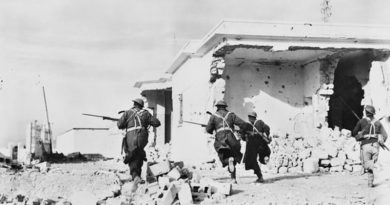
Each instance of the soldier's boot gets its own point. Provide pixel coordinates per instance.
(370, 178)
(260, 178)
(233, 177)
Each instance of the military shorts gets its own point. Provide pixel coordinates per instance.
(370, 153)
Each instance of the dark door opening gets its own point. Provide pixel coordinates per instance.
(351, 74)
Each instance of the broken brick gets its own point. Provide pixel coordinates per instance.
(160, 168)
(166, 197)
(185, 195)
(174, 174)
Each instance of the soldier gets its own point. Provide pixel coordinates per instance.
(257, 140)
(136, 122)
(226, 143)
(371, 134)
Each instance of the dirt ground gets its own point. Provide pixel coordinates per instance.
(105, 179)
(332, 188)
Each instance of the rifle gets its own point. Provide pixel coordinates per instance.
(195, 123)
(104, 117)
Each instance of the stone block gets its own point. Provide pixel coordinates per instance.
(163, 181)
(294, 170)
(337, 161)
(348, 167)
(310, 165)
(185, 195)
(160, 168)
(325, 163)
(152, 189)
(324, 169)
(174, 174)
(282, 170)
(336, 169)
(167, 196)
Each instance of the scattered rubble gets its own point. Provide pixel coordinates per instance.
(331, 151)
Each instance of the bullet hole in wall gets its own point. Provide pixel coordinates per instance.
(257, 69)
(269, 77)
(283, 86)
(227, 77)
(266, 82)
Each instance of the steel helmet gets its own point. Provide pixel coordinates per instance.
(370, 109)
(252, 114)
(139, 101)
(221, 103)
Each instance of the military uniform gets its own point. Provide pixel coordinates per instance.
(256, 137)
(369, 132)
(226, 143)
(136, 122)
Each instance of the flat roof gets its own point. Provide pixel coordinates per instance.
(351, 34)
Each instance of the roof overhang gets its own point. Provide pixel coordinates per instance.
(241, 31)
(159, 84)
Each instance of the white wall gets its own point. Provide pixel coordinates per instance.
(189, 142)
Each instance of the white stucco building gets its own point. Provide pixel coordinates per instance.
(90, 141)
(298, 77)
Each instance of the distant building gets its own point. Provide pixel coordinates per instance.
(103, 141)
(37, 139)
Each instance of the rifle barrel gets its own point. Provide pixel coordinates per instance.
(103, 117)
(92, 115)
(195, 123)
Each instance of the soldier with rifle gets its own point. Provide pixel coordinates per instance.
(257, 140)
(136, 123)
(226, 143)
(372, 135)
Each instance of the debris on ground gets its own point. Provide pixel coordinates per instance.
(331, 151)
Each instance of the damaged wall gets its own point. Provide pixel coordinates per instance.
(267, 89)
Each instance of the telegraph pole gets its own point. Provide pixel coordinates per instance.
(48, 122)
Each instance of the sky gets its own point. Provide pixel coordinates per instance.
(89, 53)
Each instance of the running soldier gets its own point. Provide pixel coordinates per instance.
(257, 140)
(226, 142)
(371, 134)
(136, 122)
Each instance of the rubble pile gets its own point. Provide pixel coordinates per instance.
(173, 183)
(330, 151)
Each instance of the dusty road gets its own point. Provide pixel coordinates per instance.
(333, 188)
(105, 180)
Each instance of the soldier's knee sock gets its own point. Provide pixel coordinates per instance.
(233, 174)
